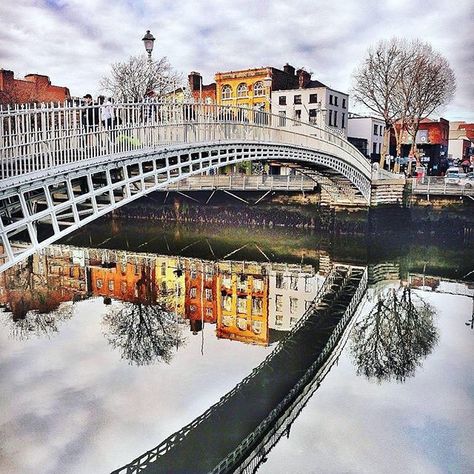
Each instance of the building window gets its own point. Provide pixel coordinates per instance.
(375, 129)
(227, 280)
(208, 294)
(279, 303)
(279, 280)
(293, 305)
(242, 304)
(209, 312)
(111, 285)
(308, 285)
(279, 320)
(257, 305)
(163, 269)
(298, 116)
(293, 321)
(374, 148)
(242, 283)
(282, 118)
(242, 90)
(330, 99)
(335, 118)
(193, 273)
(192, 308)
(98, 283)
(307, 304)
(226, 92)
(343, 103)
(343, 120)
(330, 118)
(123, 286)
(282, 100)
(381, 130)
(257, 327)
(227, 302)
(258, 89)
(297, 99)
(193, 292)
(335, 99)
(257, 285)
(293, 282)
(313, 98)
(313, 113)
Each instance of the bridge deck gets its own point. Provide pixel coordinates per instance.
(205, 445)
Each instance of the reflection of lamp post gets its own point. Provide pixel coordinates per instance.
(148, 41)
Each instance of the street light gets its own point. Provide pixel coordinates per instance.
(148, 41)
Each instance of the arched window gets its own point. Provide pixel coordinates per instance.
(226, 92)
(258, 89)
(242, 90)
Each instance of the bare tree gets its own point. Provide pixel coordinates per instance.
(130, 80)
(404, 82)
(394, 338)
(432, 85)
(376, 81)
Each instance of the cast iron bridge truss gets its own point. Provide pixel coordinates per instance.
(61, 168)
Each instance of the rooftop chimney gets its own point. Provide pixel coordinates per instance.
(289, 69)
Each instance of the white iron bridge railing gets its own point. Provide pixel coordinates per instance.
(39, 138)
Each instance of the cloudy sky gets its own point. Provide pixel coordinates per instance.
(74, 41)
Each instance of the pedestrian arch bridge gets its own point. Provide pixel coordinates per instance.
(62, 167)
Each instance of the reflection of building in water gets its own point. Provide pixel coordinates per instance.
(43, 281)
(171, 284)
(124, 278)
(243, 302)
(201, 292)
(292, 288)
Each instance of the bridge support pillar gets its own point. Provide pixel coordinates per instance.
(387, 192)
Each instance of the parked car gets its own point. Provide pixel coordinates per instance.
(452, 175)
(467, 181)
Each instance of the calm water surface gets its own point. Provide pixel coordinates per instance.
(86, 386)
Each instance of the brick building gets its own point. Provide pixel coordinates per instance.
(33, 88)
(201, 92)
(432, 144)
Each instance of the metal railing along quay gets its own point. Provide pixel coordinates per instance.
(440, 186)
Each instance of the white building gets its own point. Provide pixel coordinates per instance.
(313, 102)
(367, 128)
(291, 289)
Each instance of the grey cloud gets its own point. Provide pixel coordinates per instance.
(79, 39)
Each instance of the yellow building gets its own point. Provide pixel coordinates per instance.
(171, 283)
(252, 87)
(242, 302)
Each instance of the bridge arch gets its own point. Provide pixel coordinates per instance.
(63, 174)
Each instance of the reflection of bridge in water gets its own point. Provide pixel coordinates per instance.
(230, 435)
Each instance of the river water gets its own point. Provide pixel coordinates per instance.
(120, 335)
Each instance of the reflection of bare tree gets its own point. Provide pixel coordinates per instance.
(25, 318)
(144, 333)
(394, 338)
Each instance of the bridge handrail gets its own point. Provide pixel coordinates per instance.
(24, 130)
(168, 443)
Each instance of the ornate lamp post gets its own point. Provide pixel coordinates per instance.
(148, 41)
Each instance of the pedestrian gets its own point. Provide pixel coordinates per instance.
(90, 121)
(106, 112)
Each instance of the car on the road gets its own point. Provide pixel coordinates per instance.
(467, 181)
(452, 175)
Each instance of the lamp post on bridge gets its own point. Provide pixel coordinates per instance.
(148, 41)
